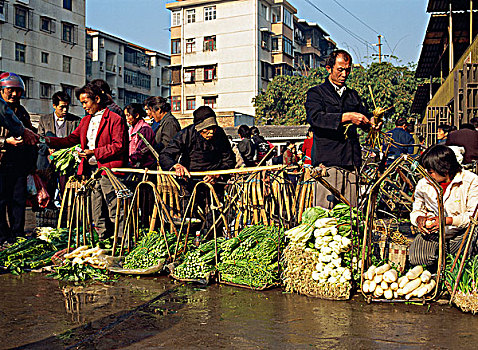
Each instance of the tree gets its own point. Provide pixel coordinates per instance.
(283, 101)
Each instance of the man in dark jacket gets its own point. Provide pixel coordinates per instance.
(466, 137)
(165, 125)
(17, 161)
(246, 146)
(401, 136)
(334, 112)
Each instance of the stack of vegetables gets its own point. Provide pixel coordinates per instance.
(82, 264)
(251, 258)
(384, 282)
(66, 160)
(151, 251)
(466, 297)
(28, 254)
(318, 258)
(199, 263)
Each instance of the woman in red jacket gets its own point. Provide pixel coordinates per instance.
(103, 137)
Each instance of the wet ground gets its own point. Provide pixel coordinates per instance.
(37, 312)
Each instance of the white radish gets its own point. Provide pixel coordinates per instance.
(366, 286)
(390, 276)
(402, 281)
(394, 286)
(415, 291)
(384, 285)
(382, 269)
(415, 272)
(388, 294)
(425, 276)
(427, 288)
(372, 286)
(378, 292)
(411, 286)
(370, 272)
(395, 295)
(400, 291)
(378, 279)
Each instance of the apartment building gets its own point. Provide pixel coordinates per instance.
(133, 72)
(224, 52)
(44, 42)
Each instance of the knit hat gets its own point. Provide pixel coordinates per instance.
(204, 117)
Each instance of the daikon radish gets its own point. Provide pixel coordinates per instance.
(382, 269)
(415, 272)
(394, 286)
(395, 295)
(402, 281)
(390, 276)
(75, 252)
(408, 296)
(425, 276)
(366, 286)
(378, 292)
(388, 294)
(370, 272)
(400, 291)
(372, 286)
(378, 278)
(415, 291)
(384, 285)
(427, 288)
(411, 286)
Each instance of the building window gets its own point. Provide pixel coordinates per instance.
(45, 90)
(189, 75)
(287, 18)
(66, 64)
(191, 15)
(265, 40)
(176, 18)
(210, 43)
(210, 13)
(176, 103)
(287, 46)
(47, 25)
(69, 90)
(276, 17)
(44, 57)
(89, 66)
(264, 11)
(209, 73)
(20, 52)
(3, 11)
(68, 33)
(210, 102)
(175, 46)
(137, 79)
(136, 57)
(275, 43)
(265, 70)
(22, 17)
(190, 45)
(67, 4)
(28, 84)
(190, 103)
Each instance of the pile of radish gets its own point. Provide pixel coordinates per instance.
(383, 281)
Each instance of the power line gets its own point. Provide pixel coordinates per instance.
(357, 37)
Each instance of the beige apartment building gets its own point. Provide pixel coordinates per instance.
(133, 72)
(224, 52)
(44, 42)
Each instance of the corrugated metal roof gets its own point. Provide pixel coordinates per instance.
(444, 5)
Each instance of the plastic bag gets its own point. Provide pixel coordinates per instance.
(40, 198)
(31, 187)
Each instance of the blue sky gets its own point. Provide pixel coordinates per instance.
(401, 22)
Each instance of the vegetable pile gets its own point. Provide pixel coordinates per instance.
(199, 263)
(318, 258)
(66, 160)
(466, 297)
(151, 251)
(251, 258)
(383, 281)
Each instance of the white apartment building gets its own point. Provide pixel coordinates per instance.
(224, 52)
(133, 72)
(43, 41)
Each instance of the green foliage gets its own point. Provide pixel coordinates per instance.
(284, 99)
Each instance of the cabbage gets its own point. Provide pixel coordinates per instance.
(310, 215)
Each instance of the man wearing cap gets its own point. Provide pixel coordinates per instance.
(199, 147)
(18, 158)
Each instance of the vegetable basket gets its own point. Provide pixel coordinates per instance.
(223, 279)
(208, 278)
(115, 265)
(397, 251)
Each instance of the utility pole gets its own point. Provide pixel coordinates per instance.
(379, 48)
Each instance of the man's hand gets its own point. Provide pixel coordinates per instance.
(30, 138)
(210, 179)
(355, 118)
(13, 141)
(181, 171)
(422, 225)
(86, 153)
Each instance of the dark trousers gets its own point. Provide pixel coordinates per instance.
(13, 195)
